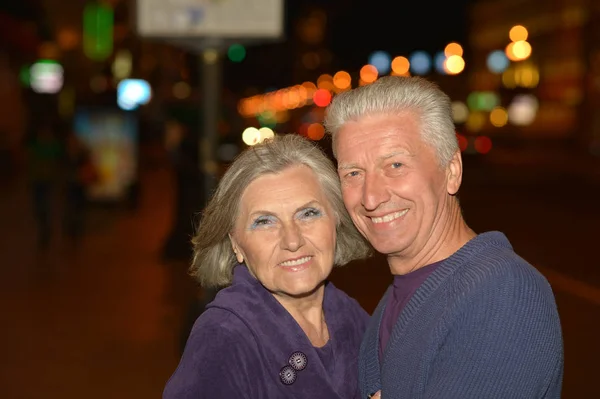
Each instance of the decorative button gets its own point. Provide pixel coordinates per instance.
(298, 361)
(288, 375)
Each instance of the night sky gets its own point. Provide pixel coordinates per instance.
(355, 28)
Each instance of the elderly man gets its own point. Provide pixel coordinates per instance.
(465, 317)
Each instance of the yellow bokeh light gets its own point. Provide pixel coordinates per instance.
(266, 133)
(400, 66)
(510, 53)
(521, 50)
(508, 79)
(251, 136)
(453, 49)
(499, 117)
(454, 64)
(518, 33)
(475, 121)
(342, 80)
(527, 76)
(368, 74)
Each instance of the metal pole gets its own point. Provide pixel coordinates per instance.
(211, 90)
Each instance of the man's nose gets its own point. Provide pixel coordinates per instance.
(375, 191)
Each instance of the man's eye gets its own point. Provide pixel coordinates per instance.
(354, 173)
(396, 165)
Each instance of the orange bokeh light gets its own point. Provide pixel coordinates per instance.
(342, 80)
(368, 74)
(315, 131)
(400, 66)
(518, 33)
(453, 49)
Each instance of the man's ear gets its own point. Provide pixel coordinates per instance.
(454, 172)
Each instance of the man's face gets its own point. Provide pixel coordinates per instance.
(393, 186)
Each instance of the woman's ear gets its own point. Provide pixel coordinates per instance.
(238, 254)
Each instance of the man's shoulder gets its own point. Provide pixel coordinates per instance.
(496, 266)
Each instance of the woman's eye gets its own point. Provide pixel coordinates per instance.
(262, 221)
(396, 165)
(311, 212)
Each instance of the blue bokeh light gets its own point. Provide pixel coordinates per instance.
(497, 61)
(439, 60)
(131, 93)
(420, 63)
(382, 61)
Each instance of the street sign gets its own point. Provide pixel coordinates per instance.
(206, 22)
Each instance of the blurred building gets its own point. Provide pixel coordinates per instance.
(550, 95)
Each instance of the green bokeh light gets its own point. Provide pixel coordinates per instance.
(236, 53)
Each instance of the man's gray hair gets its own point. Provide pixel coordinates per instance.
(213, 259)
(396, 94)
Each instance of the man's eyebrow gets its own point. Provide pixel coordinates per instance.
(347, 166)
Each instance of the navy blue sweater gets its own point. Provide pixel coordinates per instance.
(484, 325)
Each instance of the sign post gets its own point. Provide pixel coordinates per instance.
(209, 27)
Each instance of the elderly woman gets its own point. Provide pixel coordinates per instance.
(272, 233)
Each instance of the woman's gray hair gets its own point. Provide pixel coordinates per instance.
(213, 259)
(394, 94)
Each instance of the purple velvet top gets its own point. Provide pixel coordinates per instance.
(403, 288)
(246, 345)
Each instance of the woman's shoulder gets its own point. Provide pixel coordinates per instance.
(339, 301)
(219, 321)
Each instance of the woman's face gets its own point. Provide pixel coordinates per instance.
(286, 232)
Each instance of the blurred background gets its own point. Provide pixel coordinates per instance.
(118, 117)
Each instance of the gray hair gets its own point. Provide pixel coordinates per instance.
(393, 94)
(213, 259)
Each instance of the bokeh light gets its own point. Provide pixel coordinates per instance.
(476, 121)
(368, 74)
(483, 144)
(497, 61)
(342, 80)
(400, 66)
(325, 81)
(453, 49)
(266, 133)
(483, 100)
(251, 136)
(517, 33)
(499, 117)
(420, 63)
(439, 61)
(463, 142)
(315, 131)
(523, 110)
(455, 64)
(46, 76)
(131, 93)
(380, 60)
(460, 112)
(521, 50)
(322, 97)
(181, 90)
(236, 53)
